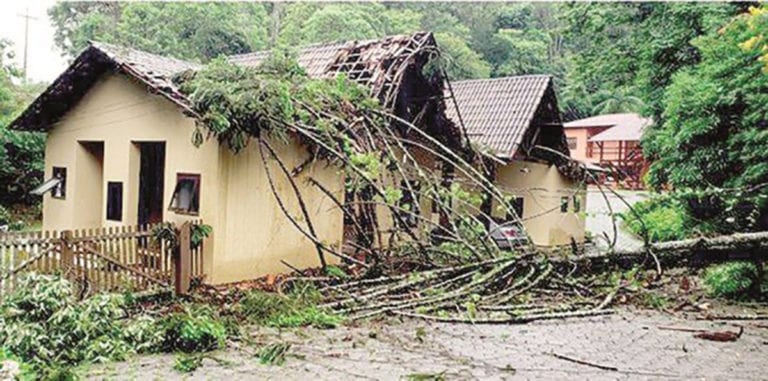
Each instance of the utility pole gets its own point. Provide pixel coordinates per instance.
(26, 17)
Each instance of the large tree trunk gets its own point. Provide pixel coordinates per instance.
(749, 243)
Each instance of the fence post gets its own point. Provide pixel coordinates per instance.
(183, 265)
(67, 253)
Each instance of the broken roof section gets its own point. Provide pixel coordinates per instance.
(380, 64)
(622, 127)
(508, 114)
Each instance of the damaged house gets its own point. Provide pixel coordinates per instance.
(119, 152)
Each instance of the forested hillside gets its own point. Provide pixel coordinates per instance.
(606, 57)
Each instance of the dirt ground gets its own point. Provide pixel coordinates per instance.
(630, 341)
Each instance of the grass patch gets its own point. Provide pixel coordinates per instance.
(186, 363)
(274, 354)
(297, 308)
(732, 280)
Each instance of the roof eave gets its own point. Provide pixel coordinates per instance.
(90, 56)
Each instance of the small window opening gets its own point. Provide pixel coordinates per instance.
(114, 201)
(563, 204)
(517, 207)
(576, 204)
(60, 190)
(186, 195)
(572, 143)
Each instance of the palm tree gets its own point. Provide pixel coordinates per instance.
(617, 101)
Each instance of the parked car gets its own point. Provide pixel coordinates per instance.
(507, 235)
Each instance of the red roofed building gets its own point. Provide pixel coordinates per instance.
(611, 141)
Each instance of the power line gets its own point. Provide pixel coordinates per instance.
(26, 16)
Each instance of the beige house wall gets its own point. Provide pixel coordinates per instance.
(120, 114)
(542, 187)
(258, 235)
(250, 233)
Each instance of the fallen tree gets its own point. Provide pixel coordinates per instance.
(745, 242)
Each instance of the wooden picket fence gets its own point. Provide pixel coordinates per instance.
(102, 259)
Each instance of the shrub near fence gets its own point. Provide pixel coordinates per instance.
(99, 259)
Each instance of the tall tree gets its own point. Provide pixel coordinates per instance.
(632, 47)
(194, 31)
(711, 144)
(21, 153)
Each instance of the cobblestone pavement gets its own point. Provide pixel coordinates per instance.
(631, 342)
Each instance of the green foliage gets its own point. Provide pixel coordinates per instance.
(732, 279)
(603, 56)
(21, 153)
(42, 324)
(16, 368)
(309, 316)
(186, 363)
(5, 216)
(298, 308)
(336, 272)
(664, 218)
(193, 31)
(194, 329)
(239, 103)
(459, 60)
(631, 50)
(710, 146)
(274, 354)
(170, 235)
(198, 233)
(654, 300)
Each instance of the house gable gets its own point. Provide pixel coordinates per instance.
(510, 115)
(152, 71)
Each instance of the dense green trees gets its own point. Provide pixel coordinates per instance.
(711, 144)
(632, 49)
(21, 153)
(195, 31)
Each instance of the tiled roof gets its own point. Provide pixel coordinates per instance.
(498, 112)
(625, 127)
(152, 65)
(366, 62)
(153, 70)
(315, 59)
(156, 71)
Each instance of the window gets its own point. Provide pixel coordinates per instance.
(572, 143)
(576, 204)
(114, 201)
(517, 207)
(186, 195)
(410, 202)
(563, 204)
(60, 190)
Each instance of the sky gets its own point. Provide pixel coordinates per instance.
(44, 60)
